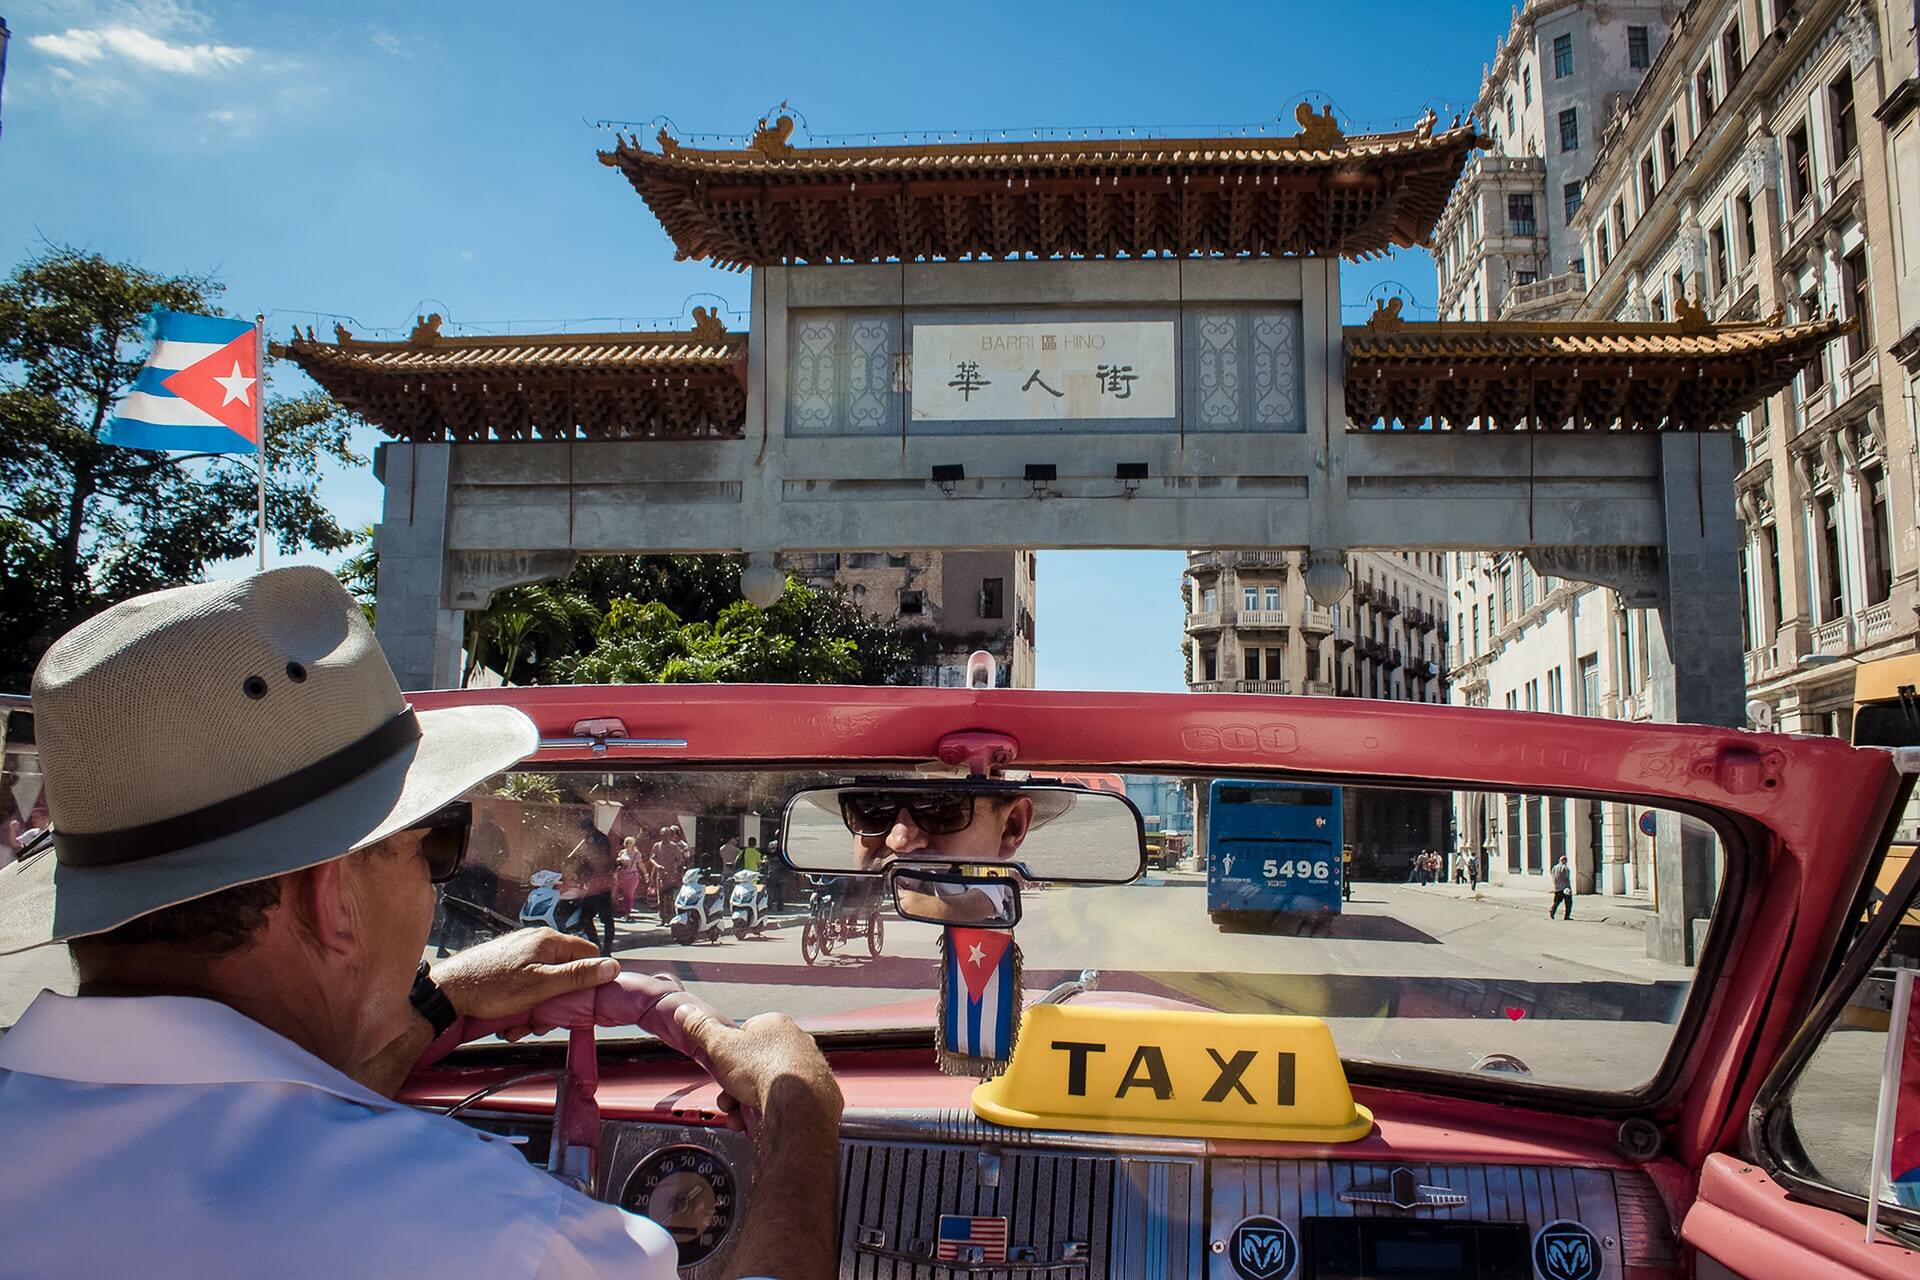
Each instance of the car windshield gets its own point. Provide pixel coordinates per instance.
(1415, 922)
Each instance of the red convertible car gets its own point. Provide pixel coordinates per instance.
(1680, 1076)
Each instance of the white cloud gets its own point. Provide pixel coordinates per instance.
(387, 42)
(88, 45)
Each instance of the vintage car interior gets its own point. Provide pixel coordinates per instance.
(1407, 1084)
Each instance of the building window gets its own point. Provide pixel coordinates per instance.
(1562, 57)
(1509, 113)
(1520, 221)
(1525, 277)
(1799, 169)
(1832, 584)
(1717, 257)
(1556, 691)
(1209, 663)
(1743, 212)
(1209, 600)
(1840, 111)
(992, 591)
(1526, 86)
(1533, 834)
(1570, 196)
(1669, 149)
(1570, 129)
(1506, 594)
(1589, 685)
(1879, 553)
(1677, 290)
(1274, 603)
(1853, 271)
(1813, 375)
(1649, 182)
(1476, 629)
(1703, 93)
(1513, 822)
(1770, 538)
(1731, 54)
(1251, 668)
(1250, 598)
(912, 604)
(1639, 54)
(1526, 586)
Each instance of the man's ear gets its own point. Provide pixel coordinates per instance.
(321, 906)
(1019, 821)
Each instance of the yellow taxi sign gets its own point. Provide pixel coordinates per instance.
(1175, 1073)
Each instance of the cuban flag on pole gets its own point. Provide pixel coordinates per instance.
(980, 989)
(199, 390)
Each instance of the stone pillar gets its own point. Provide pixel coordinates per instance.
(421, 638)
(1697, 660)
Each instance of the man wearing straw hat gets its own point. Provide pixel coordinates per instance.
(248, 820)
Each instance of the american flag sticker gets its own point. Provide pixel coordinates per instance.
(964, 1239)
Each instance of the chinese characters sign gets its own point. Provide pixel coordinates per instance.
(1071, 369)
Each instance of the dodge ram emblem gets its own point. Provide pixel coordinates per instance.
(1566, 1251)
(1262, 1249)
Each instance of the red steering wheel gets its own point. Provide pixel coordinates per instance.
(630, 1000)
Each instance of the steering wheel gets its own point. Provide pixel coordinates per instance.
(630, 1000)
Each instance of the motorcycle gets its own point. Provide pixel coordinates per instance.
(698, 909)
(749, 903)
(545, 906)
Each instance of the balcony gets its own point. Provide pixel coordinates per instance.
(1834, 637)
(1876, 624)
(1314, 618)
(1363, 593)
(1798, 224)
(1394, 658)
(1317, 688)
(1843, 180)
(1762, 663)
(1263, 619)
(1210, 620)
(1563, 290)
(1389, 604)
(1862, 377)
(1277, 561)
(1239, 686)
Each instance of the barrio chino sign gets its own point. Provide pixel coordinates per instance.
(1068, 369)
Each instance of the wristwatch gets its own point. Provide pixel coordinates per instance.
(431, 1003)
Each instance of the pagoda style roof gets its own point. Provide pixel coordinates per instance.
(1319, 192)
(1684, 375)
(594, 386)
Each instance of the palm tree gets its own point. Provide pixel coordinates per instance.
(543, 617)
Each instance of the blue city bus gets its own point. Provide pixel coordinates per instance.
(1272, 848)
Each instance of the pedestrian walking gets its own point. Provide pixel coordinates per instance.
(1473, 869)
(669, 858)
(750, 856)
(729, 858)
(1562, 888)
(626, 880)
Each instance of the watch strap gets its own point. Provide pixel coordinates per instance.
(431, 1003)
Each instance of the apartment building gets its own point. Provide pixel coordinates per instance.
(1752, 176)
(966, 600)
(1251, 627)
(1563, 68)
(1769, 164)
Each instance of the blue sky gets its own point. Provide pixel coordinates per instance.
(373, 162)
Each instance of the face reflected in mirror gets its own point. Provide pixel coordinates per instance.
(955, 898)
(892, 825)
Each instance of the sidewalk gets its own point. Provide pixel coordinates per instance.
(1631, 913)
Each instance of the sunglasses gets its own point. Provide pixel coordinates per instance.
(443, 839)
(873, 813)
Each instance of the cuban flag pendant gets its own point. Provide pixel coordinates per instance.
(979, 1001)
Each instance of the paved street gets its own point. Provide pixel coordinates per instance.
(1406, 974)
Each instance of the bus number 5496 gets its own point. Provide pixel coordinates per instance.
(1305, 870)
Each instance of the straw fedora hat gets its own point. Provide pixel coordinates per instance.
(209, 736)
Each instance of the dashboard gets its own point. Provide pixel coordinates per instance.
(936, 1193)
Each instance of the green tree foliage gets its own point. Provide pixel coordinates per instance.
(85, 524)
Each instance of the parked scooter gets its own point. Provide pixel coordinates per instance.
(699, 909)
(545, 906)
(749, 903)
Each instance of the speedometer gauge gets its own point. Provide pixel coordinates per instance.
(689, 1191)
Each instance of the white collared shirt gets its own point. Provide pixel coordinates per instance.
(169, 1136)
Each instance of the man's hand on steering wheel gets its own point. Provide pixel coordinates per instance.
(513, 973)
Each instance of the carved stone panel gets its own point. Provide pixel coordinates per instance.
(473, 576)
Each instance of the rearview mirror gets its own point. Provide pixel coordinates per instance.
(955, 897)
(1043, 832)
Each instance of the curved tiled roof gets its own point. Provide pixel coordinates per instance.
(566, 386)
(1316, 193)
(1685, 375)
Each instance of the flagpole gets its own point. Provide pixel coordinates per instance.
(260, 429)
(1889, 1095)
